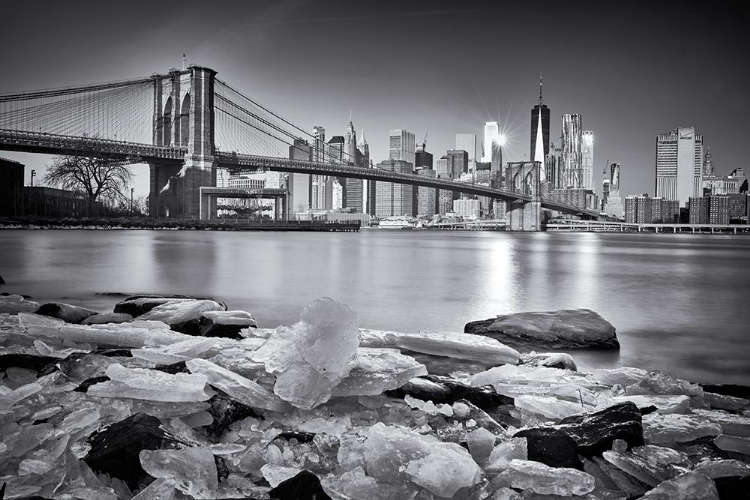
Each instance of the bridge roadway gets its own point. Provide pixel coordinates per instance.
(41, 142)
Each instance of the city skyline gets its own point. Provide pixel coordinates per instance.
(262, 47)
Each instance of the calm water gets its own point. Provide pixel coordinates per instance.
(678, 301)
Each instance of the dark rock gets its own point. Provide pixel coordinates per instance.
(30, 362)
(648, 409)
(564, 329)
(735, 390)
(2, 282)
(222, 471)
(136, 305)
(225, 323)
(733, 487)
(444, 390)
(112, 353)
(301, 437)
(84, 386)
(105, 318)
(303, 486)
(551, 447)
(66, 312)
(182, 315)
(179, 367)
(595, 432)
(226, 411)
(115, 449)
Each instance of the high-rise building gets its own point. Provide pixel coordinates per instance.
(299, 184)
(540, 133)
(643, 209)
(402, 146)
(554, 166)
(353, 189)
(426, 197)
(611, 200)
(318, 182)
(422, 158)
(571, 151)
(493, 153)
(393, 199)
(458, 163)
(679, 165)
(466, 208)
(587, 160)
(468, 143)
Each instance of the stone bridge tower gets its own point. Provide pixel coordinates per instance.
(524, 177)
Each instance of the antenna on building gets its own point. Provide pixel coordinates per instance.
(424, 142)
(540, 89)
(184, 62)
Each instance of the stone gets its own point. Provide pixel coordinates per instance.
(152, 385)
(183, 315)
(723, 468)
(657, 382)
(115, 450)
(689, 486)
(662, 404)
(2, 281)
(455, 345)
(733, 488)
(38, 364)
(225, 323)
(192, 470)
(731, 424)
(550, 359)
(14, 304)
(735, 390)
(733, 443)
(312, 356)
(443, 390)
(674, 428)
(563, 329)
(66, 312)
(595, 432)
(723, 402)
(551, 447)
(225, 411)
(543, 480)
(481, 442)
(237, 387)
(137, 305)
(377, 370)
(104, 318)
(303, 486)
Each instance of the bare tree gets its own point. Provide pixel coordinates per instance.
(95, 178)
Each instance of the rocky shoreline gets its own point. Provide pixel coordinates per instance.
(179, 397)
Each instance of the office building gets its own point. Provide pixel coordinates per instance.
(426, 196)
(402, 146)
(318, 182)
(611, 200)
(11, 187)
(393, 199)
(493, 153)
(468, 209)
(679, 165)
(353, 189)
(587, 160)
(422, 158)
(572, 159)
(458, 163)
(300, 185)
(554, 166)
(539, 148)
(468, 143)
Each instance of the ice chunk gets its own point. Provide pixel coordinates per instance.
(378, 370)
(637, 467)
(549, 407)
(623, 376)
(277, 474)
(733, 443)
(161, 489)
(689, 486)
(657, 382)
(544, 480)
(312, 356)
(663, 403)
(661, 455)
(15, 304)
(734, 425)
(503, 453)
(724, 468)
(181, 315)
(673, 428)
(550, 359)
(725, 402)
(237, 387)
(152, 385)
(193, 470)
(481, 443)
(445, 470)
(459, 345)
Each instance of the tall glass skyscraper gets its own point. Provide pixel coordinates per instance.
(571, 150)
(493, 154)
(540, 132)
(679, 165)
(402, 146)
(587, 159)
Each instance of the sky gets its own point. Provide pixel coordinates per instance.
(633, 70)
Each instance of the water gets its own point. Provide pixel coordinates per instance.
(677, 301)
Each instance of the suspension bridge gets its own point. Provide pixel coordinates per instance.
(187, 124)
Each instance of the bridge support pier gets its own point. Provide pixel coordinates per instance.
(524, 216)
(159, 177)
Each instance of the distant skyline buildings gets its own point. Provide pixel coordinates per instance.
(468, 143)
(587, 160)
(572, 132)
(679, 165)
(402, 145)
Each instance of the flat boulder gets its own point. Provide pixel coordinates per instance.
(563, 329)
(66, 312)
(135, 305)
(182, 315)
(14, 304)
(105, 318)
(595, 432)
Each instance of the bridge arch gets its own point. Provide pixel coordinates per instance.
(167, 129)
(185, 120)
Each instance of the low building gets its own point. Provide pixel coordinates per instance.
(468, 209)
(11, 187)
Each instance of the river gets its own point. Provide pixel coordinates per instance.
(677, 301)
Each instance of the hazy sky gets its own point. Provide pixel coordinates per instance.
(632, 69)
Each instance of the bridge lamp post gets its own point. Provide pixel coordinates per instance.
(131, 201)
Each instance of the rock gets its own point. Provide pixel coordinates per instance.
(550, 359)
(376, 371)
(225, 323)
(192, 470)
(443, 390)
(543, 480)
(657, 382)
(733, 443)
(14, 304)
(225, 411)
(673, 428)
(314, 355)
(182, 315)
(303, 486)
(661, 404)
(723, 468)
(733, 488)
(735, 390)
(454, 345)
(481, 442)
(39, 364)
(731, 424)
(115, 449)
(65, 312)
(723, 402)
(137, 305)
(564, 329)
(551, 447)
(595, 432)
(688, 486)
(104, 318)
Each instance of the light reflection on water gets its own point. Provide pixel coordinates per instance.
(678, 301)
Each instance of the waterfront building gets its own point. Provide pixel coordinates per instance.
(679, 165)
(578, 197)
(468, 143)
(402, 146)
(571, 151)
(426, 197)
(698, 209)
(587, 160)
(468, 209)
(11, 187)
(646, 210)
(493, 153)
(738, 208)
(300, 186)
(445, 201)
(393, 199)
(539, 147)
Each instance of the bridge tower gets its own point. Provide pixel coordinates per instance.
(183, 117)
(524, 215)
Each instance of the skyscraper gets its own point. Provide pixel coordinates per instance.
(318, 189)
(458, 163)
(402, 146)
(611, 200)
(299, 184)
(587, 160)
(493, 153)
(571, 151)
(540, 133)
(352, 188)
(679, 165)
(468, 143)
(423, 159)
(393, 199)
(368, 187)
